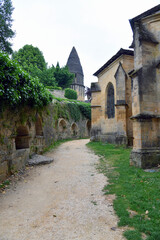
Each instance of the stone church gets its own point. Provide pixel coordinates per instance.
(74, 66)
(126, 98)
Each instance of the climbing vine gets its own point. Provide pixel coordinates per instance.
(74, 111)
(85, 109)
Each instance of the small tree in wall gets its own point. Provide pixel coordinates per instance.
(70, 93)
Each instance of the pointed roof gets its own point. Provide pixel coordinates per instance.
(74, 63)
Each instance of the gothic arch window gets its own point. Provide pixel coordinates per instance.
(110, 108)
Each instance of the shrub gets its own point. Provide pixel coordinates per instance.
(17, 87)
(70, 93)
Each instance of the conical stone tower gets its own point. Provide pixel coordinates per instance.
(75, 67)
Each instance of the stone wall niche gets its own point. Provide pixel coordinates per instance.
(62, 126)
(74, 130)
(22, 138)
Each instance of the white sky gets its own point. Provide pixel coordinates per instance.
(97, 29)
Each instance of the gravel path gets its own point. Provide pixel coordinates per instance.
(60, 201)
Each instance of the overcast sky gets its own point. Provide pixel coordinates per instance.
(97, 29)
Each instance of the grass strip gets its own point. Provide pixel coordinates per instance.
(137, 202)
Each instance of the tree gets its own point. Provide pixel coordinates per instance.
(32, 60)
(6, 33)
(63, 77)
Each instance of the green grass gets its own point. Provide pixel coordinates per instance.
(135, 190)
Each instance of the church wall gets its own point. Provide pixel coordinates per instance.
(113, 130)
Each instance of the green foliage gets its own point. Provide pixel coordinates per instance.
(70, 93)
(6, 33)
(31, 59)
(18, 88)
(132, 235)
(81, 108)
(60, 110)
(74, 111)
(63, 77)
(135, 189)
(85, 109)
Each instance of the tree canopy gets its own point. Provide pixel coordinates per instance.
(32, 60)
(17, 87)
(6, 32)
(63, 77)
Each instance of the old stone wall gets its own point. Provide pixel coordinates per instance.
(58, 93)
(24, 132)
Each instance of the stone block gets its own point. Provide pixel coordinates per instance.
(19, 159)
(145, 158)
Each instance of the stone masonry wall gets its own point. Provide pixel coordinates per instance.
(24, 132)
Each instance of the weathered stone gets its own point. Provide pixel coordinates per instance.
(39, 160)
(146, 89)
(39, 130)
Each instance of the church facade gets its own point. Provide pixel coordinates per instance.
(126, 98)
(111, 100)
(74, 66)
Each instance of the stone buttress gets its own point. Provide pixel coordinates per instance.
(146, 89)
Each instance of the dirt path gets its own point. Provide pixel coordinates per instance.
(60, 201)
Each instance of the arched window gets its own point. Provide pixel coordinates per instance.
(110, 101)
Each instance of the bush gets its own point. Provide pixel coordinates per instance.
(70, 93)
(17, 87)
